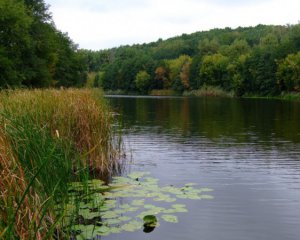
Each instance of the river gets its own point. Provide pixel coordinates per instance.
(247, 150)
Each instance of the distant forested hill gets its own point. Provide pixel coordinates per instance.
(262, 60)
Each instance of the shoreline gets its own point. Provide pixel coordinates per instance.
(284, 97)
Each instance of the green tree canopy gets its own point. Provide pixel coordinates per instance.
(288, 73)
(142, 81)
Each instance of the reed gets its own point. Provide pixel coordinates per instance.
(163, 92)
(208, 91)
(49, 138)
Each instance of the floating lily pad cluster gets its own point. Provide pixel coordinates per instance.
(100, 211)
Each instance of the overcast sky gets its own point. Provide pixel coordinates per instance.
(100, 24)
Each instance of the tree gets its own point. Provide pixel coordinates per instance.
(39, 10)
(236, 73)
(261, 72)
(179, 70)
(237, 48)
(208, 47)
(288, 73)
(142, 81)
(33, 52)
(98, 82)
(14, 40)
(161, 78)
(213, 71)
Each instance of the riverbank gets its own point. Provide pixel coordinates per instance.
(49, 138)
(207, 91)
(283, 96)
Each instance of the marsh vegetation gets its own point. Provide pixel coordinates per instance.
(49, 138)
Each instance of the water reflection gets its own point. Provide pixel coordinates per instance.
(241, 119)
(247, 150)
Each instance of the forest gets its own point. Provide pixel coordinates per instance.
(263, 60)
(33, 52)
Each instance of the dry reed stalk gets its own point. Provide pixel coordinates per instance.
(12, 187)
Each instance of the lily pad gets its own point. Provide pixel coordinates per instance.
(170, 218)
(138, 202)
(101, 206)
(136, 175)
(110, 215)
(132, 226)
(103, 229)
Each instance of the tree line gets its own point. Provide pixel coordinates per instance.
(263, 60)
(33, 53)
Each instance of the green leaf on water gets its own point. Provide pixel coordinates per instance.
(206, 189)
(150, 180)
(207, 197)
(190, 184)
(120, 211)
(87, 231)
(125, 206)
(170, 218)
(115, 230)
(124, 218)
(149, 206)
(193, 196)
(178, 206)
(103, 229)
(110, 214)
(113, 221)
(138, 202)
(121, 180)
(136, 175)
(172, 210)
(101, 201)
(132, 209)
(132, 226)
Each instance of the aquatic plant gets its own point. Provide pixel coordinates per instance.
(208, 91)
(101, 212)
(79, 116)
(47, 139)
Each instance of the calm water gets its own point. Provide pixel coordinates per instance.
(248, 151)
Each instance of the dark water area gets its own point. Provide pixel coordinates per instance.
(247, 150)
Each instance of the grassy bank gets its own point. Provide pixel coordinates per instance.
(49, 138)
(205, 91)
(293, 96)
(208, 91)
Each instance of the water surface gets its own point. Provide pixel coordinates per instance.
(247, 150)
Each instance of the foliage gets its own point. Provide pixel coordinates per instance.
(179, 72)
(33, 52)
(244, 60)
(208, 91)
(288, 73)
(47, 139)
(142, 81)
(126, 204)
(213, 71)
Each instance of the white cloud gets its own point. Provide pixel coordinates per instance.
(98, 24)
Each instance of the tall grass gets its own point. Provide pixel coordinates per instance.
(208, 91)
(49, 138)
(20, 205)
(163, 92)
(292, 96)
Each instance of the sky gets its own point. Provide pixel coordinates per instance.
(102, 24)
